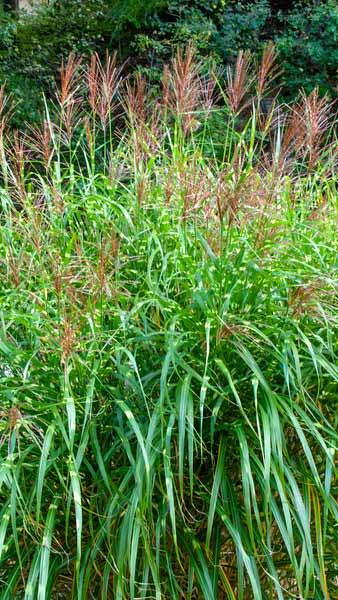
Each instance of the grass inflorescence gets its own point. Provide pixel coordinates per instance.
(168, 344)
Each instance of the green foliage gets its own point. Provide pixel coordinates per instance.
(168, 344)
(243, 25)
(31, 48)
(308, 47)
(306, 37)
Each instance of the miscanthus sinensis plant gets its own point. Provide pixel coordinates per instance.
(168, 343)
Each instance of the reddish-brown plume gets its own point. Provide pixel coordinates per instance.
(103, 81)
(93, 82)
(137, 99)
(17, 151)
(68, 340)
(105, 267)
(69, 80)
(68, 94)
(143, 118)
(40, 141)
(316, 121)
(195, 188)
(306, 125)
(5, 112)
(268, 70)
(184, 90)
(308, 298)
(238, 82)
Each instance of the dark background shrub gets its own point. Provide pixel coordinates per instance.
(307, 41)
(146, 32)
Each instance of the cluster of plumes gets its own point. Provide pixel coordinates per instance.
(98, 98)
(230, 194)
(187, 93)
(80, 284)
(239, 199)
(247, 84)
(304, 129)
(77, 282)
(98, 274)
(103, 82)
(312, 299)
(144, 120)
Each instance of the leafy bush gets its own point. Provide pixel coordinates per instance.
(305, 35)
(243, 25)
(31, 48)
(308, 47)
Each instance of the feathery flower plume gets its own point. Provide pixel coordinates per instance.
(238, 82)
(268, 70)
(40, 141)
(304, 130)
(5, 113)
(315, 112)
(185, 91)
(103, 82)
(68, 95)
(143, 118)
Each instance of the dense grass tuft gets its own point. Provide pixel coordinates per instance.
(168, 344)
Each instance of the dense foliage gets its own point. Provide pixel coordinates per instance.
(146, 32)
(31, 48)
(168, 341)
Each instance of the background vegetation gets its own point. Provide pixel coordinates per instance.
(146, 32)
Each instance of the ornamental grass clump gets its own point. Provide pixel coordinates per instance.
(168, 340)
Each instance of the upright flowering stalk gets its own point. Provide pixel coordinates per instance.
(268, 71)
(41, 141)
(103, 82)
(68, 96)
(238, 83)
(185, 90)
(5, 112)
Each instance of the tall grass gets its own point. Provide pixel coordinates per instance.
(168, 340)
